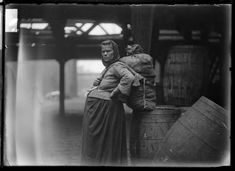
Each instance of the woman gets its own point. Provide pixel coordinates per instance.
(104, 131)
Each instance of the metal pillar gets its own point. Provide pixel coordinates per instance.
(58, 32)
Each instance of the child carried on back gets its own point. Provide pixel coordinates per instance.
(142, 97)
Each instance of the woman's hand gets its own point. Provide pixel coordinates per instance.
(97, 82)
(115, 93)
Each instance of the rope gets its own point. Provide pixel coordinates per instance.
(144, 94)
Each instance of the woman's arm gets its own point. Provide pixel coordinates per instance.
(99, 78)
(126, 79)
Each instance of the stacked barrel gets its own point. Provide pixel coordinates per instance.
(148, 130)
(185, 75)
(199, 136)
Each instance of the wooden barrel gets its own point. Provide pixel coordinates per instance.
(148, 129)
(185, 75)
(200, 135)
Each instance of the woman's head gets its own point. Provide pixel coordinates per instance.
(109, 52)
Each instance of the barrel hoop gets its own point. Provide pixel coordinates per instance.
(219, 124)
(204, 100)
(168, 121)
(197, 136)
(143, 139)
(160, 112)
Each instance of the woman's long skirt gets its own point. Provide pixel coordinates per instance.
(104, 133)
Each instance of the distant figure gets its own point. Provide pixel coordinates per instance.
(104, 129)
(142, 97)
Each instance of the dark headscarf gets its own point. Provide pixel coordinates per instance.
(115, 51)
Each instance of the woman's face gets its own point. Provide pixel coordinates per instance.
(107, 53)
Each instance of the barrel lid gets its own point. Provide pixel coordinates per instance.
(161, 109)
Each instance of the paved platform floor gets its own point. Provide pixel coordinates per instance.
(59, 137)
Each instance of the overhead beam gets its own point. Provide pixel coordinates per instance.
(106, 13)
